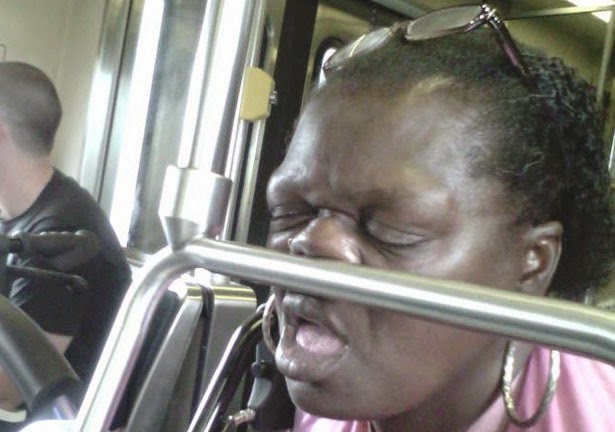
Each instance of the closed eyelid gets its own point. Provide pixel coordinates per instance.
(290, 209)
(290, 216)
(386, 234)
(372, 223)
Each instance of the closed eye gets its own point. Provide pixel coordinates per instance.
(393, 238)
(285, 217)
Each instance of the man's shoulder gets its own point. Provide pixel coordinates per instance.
(64, 204)
(61, 201)
(63, 193)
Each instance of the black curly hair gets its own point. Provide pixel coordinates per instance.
(545, 139)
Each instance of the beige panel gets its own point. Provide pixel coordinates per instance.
(33, 31)
(75, 70)
(60, 37)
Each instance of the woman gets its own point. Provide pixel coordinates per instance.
(452, 158)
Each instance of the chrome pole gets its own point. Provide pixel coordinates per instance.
(237, 147)
(212, 131)
(607, 52)
(556, 323)
(200, 70)
(126, 338)
(221, 84)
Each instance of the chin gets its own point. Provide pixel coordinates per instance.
(317, 400)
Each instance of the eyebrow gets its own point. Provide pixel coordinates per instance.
(425, 199)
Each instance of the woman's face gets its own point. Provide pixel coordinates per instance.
(386, 184)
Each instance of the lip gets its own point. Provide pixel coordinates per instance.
(299, 314)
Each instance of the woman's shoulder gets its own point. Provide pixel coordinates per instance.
(587, 394)
(583, 400)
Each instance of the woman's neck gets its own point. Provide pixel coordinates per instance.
(457, 406)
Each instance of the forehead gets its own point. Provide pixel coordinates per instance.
(340, 136)
(360, 151)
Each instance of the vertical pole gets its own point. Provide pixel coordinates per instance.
(237, 147)
(290, 73)
(607, 52)
(221, 84)
(196, 194)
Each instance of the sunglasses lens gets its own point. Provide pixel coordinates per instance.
(362, 45)
(442, 23)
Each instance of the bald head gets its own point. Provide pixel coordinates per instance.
(30, 106)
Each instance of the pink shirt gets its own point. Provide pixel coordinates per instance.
(583, 402)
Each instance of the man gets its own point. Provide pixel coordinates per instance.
(35, 197)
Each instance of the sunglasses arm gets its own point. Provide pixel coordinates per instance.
(513, 53)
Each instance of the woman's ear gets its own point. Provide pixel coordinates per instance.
(541, 256)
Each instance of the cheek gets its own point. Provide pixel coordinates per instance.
(437, 346)
(401, 361)
(487, 259)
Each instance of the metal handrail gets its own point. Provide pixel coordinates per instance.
(551, 322)
(127, 336)
(556, 323)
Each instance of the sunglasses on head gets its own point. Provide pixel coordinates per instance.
(443, 22)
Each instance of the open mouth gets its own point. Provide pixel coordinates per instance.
(317, 339)
(310, 346)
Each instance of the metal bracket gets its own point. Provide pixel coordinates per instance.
(184, 217)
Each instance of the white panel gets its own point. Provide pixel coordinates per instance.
(61, 38)
(75, 70)
(33, 31)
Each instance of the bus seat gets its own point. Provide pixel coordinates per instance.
(165, 350)
(191, 329)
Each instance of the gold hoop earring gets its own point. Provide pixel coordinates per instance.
(269, 318)
(507, 378)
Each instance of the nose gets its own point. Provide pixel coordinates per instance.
(330, 235)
